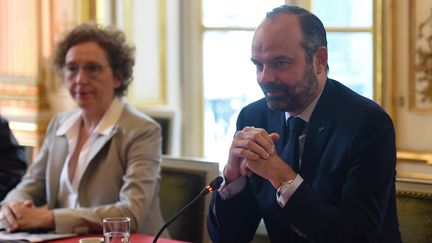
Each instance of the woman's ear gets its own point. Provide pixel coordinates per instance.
(320, 60)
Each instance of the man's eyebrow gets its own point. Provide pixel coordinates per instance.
(277, 58)
(282, 57)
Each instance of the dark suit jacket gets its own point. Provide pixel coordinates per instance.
(12, 159)
(348, 167)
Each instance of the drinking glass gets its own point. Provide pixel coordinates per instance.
(116, 229)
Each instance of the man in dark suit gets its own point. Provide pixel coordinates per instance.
(341, 187)
(12, 159)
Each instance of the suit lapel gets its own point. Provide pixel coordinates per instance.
(319, 130)
(316, 138)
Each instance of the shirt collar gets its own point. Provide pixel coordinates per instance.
(105, 125)
(307, 113)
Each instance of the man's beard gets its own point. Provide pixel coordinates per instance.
(295, 97)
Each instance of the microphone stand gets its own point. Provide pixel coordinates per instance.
(214, 185)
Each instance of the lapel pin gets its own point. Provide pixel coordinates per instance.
(321, 129)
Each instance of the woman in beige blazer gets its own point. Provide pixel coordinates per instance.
(100, 160)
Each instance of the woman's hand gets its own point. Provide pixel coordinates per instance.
(23, 215)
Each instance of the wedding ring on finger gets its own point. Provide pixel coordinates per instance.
(1, 215)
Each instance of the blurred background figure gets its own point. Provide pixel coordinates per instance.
(12, 159)
(99, 160)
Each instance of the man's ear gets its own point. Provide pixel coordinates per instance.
(320, 60)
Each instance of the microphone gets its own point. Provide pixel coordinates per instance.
(213, 185)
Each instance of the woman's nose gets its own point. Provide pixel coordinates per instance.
(81, 77)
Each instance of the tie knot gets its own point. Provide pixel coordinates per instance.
(296, 125)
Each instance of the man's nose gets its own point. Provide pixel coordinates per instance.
(267, 75)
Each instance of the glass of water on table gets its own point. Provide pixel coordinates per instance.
(116, 229)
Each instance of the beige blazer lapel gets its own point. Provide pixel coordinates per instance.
(59, 153)
(99, 143)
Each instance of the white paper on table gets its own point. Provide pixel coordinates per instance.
(32, 237)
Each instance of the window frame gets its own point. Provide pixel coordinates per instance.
(193, 53)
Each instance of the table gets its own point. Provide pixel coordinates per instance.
(135, 238)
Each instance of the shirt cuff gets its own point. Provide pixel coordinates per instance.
(232, 189)
(285, 191)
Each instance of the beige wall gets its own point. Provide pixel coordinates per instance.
(414, 130)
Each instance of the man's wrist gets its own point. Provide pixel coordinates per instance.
(230, 176)
(236, 186)
(284, 178)
(284, 183)
(286, 189)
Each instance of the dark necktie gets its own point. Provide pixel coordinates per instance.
(292, 152)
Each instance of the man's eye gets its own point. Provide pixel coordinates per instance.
(259, 67)
(279, 63)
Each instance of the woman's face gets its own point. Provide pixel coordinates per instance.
(89, 77)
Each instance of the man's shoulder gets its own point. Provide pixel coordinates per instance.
(346, 98)
(4, 124)
(258, 114)
(3, 120)
(347, 105)
(260, 105)
(256, 110)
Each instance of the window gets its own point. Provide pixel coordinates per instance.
(228, 75)
(350, 41)
(229, 79)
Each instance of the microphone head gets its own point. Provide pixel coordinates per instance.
(213, 185)
(216, 183)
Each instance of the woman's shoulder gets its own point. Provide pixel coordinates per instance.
(61, 117)
(133, 117)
